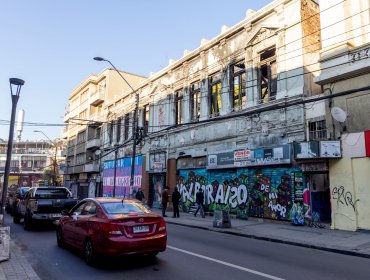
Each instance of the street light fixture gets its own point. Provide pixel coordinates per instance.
(134, 129)
(55, 157)
(15, 89)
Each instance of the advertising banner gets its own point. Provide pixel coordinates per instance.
(123, 176)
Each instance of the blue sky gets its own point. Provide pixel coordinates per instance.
(50, 45)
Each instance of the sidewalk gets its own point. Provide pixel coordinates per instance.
(13, 265)
(338, 241)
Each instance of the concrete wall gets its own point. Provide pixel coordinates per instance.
(350, 193)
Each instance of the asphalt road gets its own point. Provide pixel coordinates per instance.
(192, 254)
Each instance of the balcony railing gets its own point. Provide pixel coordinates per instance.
(92, 167)
(96, 98)
(93, 143)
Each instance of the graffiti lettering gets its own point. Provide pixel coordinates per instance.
(265, 188)
(277, 208)
(234, 195)
(344, 197)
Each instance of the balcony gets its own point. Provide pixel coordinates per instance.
(64, 152)
(92, 167)
(96, 98)
(93, 144)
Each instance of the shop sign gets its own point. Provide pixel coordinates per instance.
(189, 163)
(353, 145)
(245, 158)
(330, 149)
(157, 166)
(306, 150)
(314, 167)
(157, 162)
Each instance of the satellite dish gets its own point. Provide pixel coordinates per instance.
(338, 114)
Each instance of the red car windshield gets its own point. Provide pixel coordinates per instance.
(124, 208)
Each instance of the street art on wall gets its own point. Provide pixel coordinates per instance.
(263, 192)
(123, 176)
(157, 181)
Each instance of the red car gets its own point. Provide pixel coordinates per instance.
(113, 227)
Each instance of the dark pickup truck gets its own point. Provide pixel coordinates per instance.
(43, 204)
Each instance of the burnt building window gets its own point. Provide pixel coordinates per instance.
(178, 106)
(317, 130)
(127, 125)
(146, 119)
(238, 82)
(118, 130)
(215, 101)
(194, 101)
(267, 76)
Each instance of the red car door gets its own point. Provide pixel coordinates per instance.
(70, 225)
(85, 223)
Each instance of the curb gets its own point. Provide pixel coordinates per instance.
(271, 239)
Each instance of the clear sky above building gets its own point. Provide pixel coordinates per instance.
(50, 45)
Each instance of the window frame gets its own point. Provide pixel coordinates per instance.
(319, 130)
(179, 101)
(268, 80)
(215, 94)
(239, 99)
(194, 101)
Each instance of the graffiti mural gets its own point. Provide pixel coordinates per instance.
(264, 192)
(157, 183)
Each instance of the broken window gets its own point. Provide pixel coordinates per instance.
(238, 82)
(215, 94)
(146, 119)
(178, 106)
(195, 101)
(127, 126)
(267, 76)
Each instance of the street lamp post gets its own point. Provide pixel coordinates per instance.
(17, 83)
(134, 130)
(55, 157)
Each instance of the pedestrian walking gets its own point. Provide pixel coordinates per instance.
(139, 195)
(164, 201)
(199, 198)
(176, 196)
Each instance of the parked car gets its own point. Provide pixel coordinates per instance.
(18, 196)
(44, 204)
(112, 227)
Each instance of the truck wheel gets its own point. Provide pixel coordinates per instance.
(27, 222)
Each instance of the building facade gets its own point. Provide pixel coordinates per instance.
(28, 162)
(90, 109)
(344, 76)
(226, 117)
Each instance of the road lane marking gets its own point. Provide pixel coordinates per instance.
(226, 263)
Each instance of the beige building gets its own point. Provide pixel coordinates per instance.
(345, 75)
(88, 109)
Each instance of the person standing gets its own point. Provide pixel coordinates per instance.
(199, 198)
(176, 196)
(164, 201)
(139, 195)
